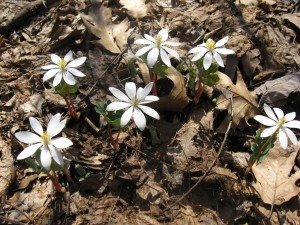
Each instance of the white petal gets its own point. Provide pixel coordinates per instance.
(126, 117)
(130, 89)
(222, 42)
(61, 142)
(269, 131)
(49, 74)
(55, 126)
(117, 106)
(150, 38)
(29, 151)
(265, 120)
(27, 137)
(164, 57)
(224, 51)
(290, 116)
(76, 72)
(172, 52)
(199, 55)
(171, 43)
(55, 58)
(36, 125)
(68, 56)
(119, 94)
(143, 50)
(279, 113)
(49, 67)
(270, 113)
(207, 60)
(46, 159)
(198, 49)
(143, 42)
(139, 119)
(152, 57)
(56, 155)
(143, 92)
(69, 78)
(292, 124)
(283, 139)
(149, 98)
(291, 136)
(218, 59)
(164, 34)
(149, 111)
(76, 62)
(57, 79)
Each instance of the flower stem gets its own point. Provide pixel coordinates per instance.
(153, 78)
(70, 106)
(198, 93)
(55, 182)
(259, 153)
(112, 140)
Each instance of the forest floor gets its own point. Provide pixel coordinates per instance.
(186, 168)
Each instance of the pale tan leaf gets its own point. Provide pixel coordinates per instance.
(98, 21)
(274, 181)
(244, 102)
(135, 8)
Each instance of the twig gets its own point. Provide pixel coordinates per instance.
(27, 11)
(92, 125)
(212, 164)
(11, 221)
(20, 211)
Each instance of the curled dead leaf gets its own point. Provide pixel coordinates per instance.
(173, 95)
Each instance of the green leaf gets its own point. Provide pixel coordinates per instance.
(65, 89)
(154, 136)
(131, 68)
(160, 68)
(210, 79)
(261, 147)
(113, 118)
(192, 79)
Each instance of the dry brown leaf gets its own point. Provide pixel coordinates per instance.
(244, 102)
(135, 8)
(99, 22)
(274, 181)
(176, 99)
(277, 91)
(7, 171)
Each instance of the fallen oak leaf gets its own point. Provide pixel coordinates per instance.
(244, 102)
(274, 181)
(99, 22)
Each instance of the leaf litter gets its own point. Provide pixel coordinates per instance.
(137, 184)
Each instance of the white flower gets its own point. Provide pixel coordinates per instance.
(279, 122)
(134, 103)
(157, 47)
(44, 141)
(211, 50)
(63, 68)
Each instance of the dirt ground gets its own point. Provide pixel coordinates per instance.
(185, 169)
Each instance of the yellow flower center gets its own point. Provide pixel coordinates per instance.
(46, 138)
(210, 44)
(135, 102)
(62, 64)
(158, 40)
(281, 121)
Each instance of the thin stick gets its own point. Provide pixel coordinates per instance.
(211, 166)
